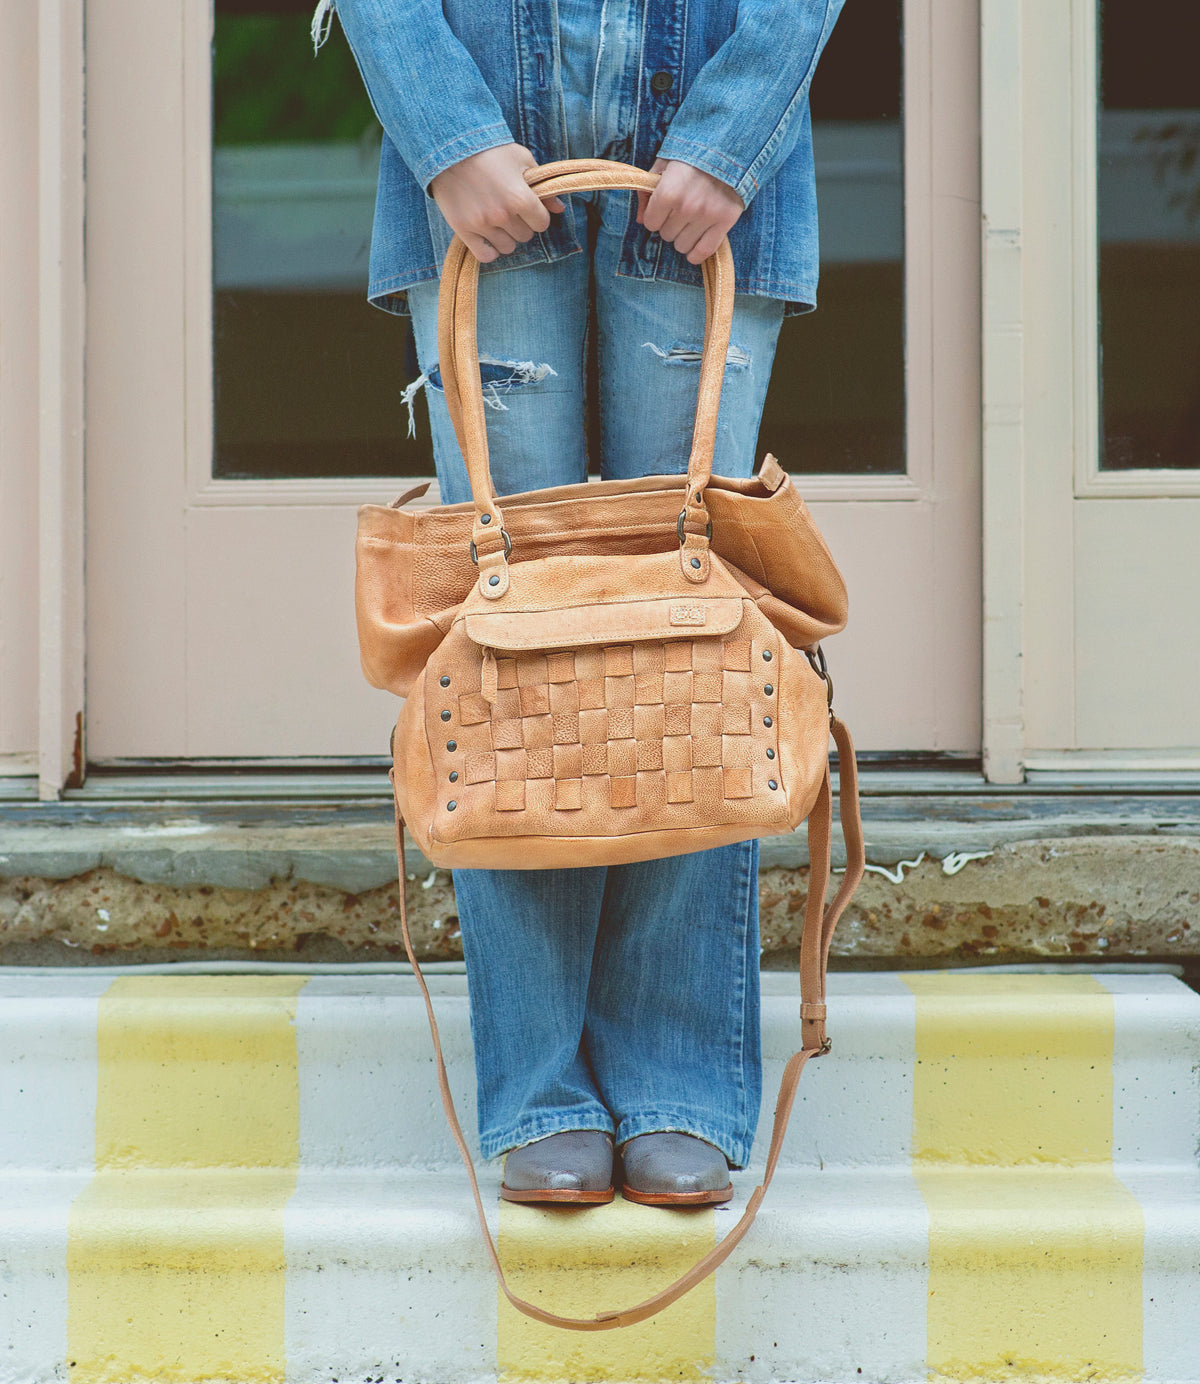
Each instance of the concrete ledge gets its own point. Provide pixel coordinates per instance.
(350, 846)
(1003, 877)
(1116, 896)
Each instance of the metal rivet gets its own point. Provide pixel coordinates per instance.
(772, 784)
(451, 805)
(768, 689)
(485, 518)
(767, 721)
(770, 754)
(493, 581)
(445, 715)
(452, 745)
(695, 562)
(767, 655)
(453, 775)
(445, 681)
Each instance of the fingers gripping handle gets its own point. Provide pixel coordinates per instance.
(458, 353)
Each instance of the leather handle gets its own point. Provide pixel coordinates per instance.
(534, 176)
(819, 923)
(458, 357)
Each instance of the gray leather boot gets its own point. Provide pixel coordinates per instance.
(575, 1165)
(673, 1169)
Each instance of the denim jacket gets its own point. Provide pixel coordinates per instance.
(449, 78)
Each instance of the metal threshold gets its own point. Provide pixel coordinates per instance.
(882, 777)
(365, 782)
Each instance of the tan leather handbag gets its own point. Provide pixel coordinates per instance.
(609, 672)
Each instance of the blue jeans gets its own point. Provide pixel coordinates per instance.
(621, 998)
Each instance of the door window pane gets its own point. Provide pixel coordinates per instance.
(1148, 190)
(836, 401)
(307, 374)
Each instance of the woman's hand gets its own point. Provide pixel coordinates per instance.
(690, 208)
(489, 204)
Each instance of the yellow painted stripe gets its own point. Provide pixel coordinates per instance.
(581, 1260)
(1035, 1247)
(175, 1253)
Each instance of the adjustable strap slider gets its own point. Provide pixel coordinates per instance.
(812, 1017)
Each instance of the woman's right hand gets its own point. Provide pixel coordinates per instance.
(488, 203)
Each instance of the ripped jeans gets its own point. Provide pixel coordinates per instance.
(621, 998)
(533, 342)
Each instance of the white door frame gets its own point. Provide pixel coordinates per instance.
(60, 395)
(1001, 207)
(1088, 590)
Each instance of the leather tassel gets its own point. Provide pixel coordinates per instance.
(489, 675)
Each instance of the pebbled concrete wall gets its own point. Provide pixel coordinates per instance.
(1101, 897)
(1107, 897)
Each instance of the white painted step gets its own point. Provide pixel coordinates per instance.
(369, 1091)
(906, 1234)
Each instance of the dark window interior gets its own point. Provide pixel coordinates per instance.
(1148, 193)
(308, 375)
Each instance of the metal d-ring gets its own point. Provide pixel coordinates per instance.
(507, 547)
(816, 658)
(679, 528)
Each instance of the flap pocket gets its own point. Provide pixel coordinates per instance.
(614, 622)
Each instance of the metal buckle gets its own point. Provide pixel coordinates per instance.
(816, 658)
(679, 527)
(507, 547)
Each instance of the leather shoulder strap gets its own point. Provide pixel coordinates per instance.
(819, 923)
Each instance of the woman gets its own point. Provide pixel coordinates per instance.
(618, 1006)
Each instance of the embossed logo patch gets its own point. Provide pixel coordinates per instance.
(687, 615)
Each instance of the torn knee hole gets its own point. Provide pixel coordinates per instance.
(497, 377)
(682, 352)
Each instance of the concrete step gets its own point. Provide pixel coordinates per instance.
(201, 1178)
(369, 1095)
(292, 867)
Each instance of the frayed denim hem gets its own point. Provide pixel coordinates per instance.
(493, 1145)
(736, 1151)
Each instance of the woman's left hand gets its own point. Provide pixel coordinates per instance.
(690, 208)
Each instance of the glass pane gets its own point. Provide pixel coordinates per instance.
(836, 401)
(1148, 188)
(307, 373)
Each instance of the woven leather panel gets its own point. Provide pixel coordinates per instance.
(607, 739)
